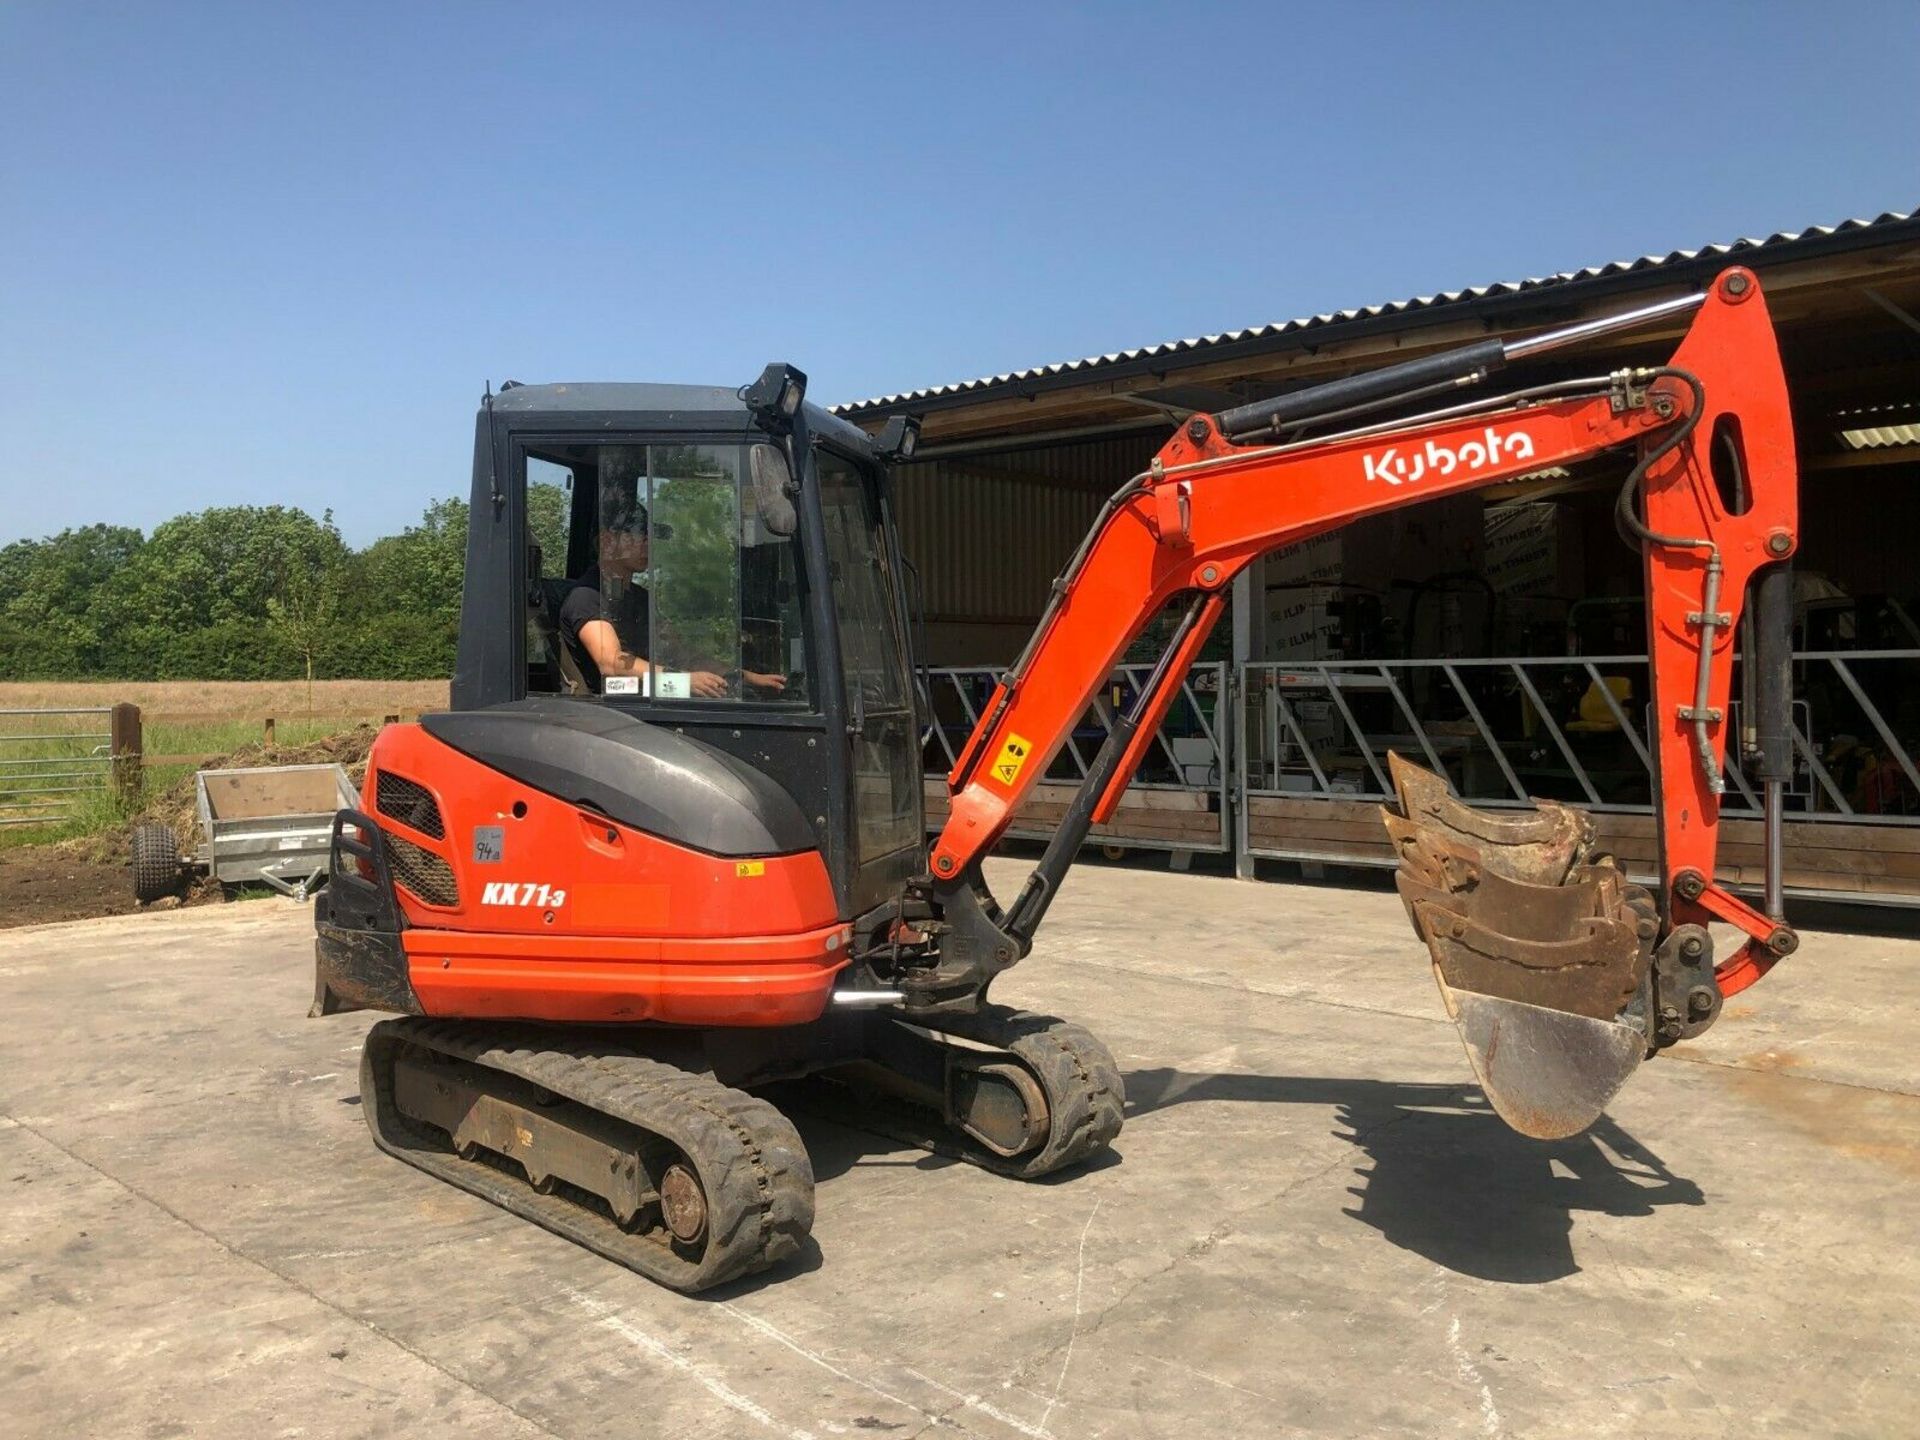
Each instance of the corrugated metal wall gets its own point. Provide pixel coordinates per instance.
(990, 532)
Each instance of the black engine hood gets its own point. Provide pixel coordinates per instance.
(655, 780)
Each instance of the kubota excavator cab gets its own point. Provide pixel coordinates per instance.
(766, 608)
(683, 617)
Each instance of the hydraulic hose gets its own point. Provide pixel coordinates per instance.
(1637, 535)
(1451, 368)
(1625, 509)
(1771, 678)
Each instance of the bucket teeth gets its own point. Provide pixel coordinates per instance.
(1539, 946)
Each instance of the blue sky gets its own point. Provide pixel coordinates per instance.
(262, 252)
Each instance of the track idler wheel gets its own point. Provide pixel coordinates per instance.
(1015, 1093)
(1540, 947)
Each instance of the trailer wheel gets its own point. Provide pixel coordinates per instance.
(157, 871)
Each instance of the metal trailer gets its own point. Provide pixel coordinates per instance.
(272, 824)
(269, 824)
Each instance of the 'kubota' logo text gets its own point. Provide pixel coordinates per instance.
(1397, 469)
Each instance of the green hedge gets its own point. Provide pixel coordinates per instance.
(236, 593)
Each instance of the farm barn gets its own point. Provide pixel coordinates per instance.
(1497, 635)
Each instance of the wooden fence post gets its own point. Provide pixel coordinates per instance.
(128, 765)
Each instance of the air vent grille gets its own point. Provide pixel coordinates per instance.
(409, 802)
(421, 871)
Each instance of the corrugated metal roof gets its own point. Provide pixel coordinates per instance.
(1813, 234)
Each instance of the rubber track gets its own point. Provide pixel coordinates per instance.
(752, 1165)
(1085, 1094)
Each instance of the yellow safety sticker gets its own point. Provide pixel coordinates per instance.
(1013, 756)
(747, 869)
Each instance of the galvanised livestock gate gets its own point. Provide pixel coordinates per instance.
(55, 762)
(1180, 800)
(1286, 760)
(1311, 773)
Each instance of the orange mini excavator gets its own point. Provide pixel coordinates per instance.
(668, 842)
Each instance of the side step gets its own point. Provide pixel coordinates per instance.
(1541, 949)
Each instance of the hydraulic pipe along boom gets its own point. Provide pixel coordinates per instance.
(1429, 374)
(1772, 686)
(1031, 903)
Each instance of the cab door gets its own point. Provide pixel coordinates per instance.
(887, 826)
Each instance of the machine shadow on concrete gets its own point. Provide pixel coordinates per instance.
(1446, 1178)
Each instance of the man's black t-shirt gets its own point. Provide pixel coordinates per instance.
(628, 613)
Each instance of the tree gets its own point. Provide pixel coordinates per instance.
(694, 560)
(305, 612)
(547, 508)
(58, 596)
(246, 592)
(222, 566)
(419, 571)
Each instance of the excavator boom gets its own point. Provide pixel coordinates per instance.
(1540, 945)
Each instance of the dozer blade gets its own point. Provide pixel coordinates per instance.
(1540, 949)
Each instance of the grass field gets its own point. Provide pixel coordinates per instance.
(181, 719)
(237, 698)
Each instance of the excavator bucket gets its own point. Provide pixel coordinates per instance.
(1540, 947)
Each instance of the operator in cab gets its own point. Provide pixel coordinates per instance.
(606, 619)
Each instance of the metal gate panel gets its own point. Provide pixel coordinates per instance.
(1309, 762)
(1181, 798)
(52, 761)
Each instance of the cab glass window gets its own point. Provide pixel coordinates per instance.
(873, 662)
(549, 511)
(681, 590)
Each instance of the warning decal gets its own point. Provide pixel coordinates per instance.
(1012, 756)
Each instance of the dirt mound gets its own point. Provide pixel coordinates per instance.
(89, 876)
(40, 884)
(177, 808)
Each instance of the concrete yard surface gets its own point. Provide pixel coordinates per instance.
(1311, 1225)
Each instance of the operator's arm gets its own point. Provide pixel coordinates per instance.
(602, 642)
